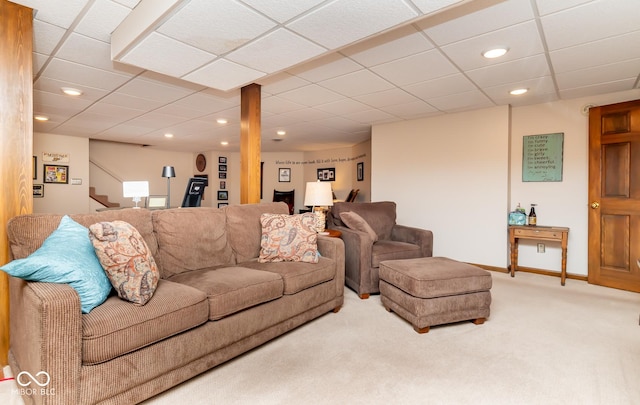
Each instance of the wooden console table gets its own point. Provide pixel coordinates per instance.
(552, 233)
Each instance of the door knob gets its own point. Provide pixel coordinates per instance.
(595, 205)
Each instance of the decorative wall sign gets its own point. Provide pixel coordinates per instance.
(201, 162)
(360, 171)
(55, 157)
(542, 157)
(56, 174)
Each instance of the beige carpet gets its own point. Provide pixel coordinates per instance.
(543, 344)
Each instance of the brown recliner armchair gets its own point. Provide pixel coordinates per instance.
(363, 253)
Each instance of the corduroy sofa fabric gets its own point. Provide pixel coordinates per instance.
(113, 328)
(206, 309)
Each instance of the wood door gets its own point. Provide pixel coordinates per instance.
(614, 195)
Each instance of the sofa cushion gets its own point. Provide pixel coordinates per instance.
(289, 238)
(66, 257)
(298, 276)
(381, 216)
(393, 250)
(357, 223)
(244, 228)
(191, 239)
(126, 259)
(232, 289)
(116, 327)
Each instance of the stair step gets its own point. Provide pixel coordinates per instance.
(102, 199)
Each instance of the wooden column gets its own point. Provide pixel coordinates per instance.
(16, 137)
(250, 98)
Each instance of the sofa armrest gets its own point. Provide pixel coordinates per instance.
(417, 236)
(358, 251)
(333, 248)
(46, 335)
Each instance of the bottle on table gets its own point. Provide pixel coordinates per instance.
(533, 219)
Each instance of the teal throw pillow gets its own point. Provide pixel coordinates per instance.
(66, 257)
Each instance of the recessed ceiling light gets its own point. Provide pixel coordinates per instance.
(494, 53)
(69, 91)
(41, 118)
(168, 135)
(518, 92)
(281, 132)
(224, 143)
(221, 120)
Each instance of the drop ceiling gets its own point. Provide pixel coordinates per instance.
(328, 70)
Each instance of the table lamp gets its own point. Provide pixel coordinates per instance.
(318, 195)
(168, 172)
(135, 190)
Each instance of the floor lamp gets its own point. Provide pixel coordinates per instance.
(168, 172)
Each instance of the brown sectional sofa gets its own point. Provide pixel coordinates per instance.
(214, 301)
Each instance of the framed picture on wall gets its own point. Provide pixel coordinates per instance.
(360, 171)
(328, 174)
(223, 195)
(284, 175)
(56, 174)
(38, 190)
(220, 205)
(34, 169)
(222, 159)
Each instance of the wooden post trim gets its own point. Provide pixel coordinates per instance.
(250, 105)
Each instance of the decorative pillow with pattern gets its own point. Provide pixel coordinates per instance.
(290, 238)
(125, 257)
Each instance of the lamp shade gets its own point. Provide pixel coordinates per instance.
(318, 194)
(135, 189)
(168, 171)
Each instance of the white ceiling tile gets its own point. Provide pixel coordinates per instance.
(86, 51)
(429, 6)
(128, 3)
(356, 83)
(487, 19)
(276, 51)
(156, 120)
(178, 58)
(325, 67)
(521, 40)
(600, 88)
(386, 98)
(277, 105)
(395, 44)
(373, 116)
(282, 11)
(81, 75)
(46, 37)
(306, 115)
(55, 86)
(278, 83)
(203, 102)
(39, 61)
(58, 103)
(151, 90)
(53, 13)
(344, 106)
(551, 6)
(416, 68)
(341, 22)
(442, 86)
(126, 100)
(224, 75)
(102, 19)
(471, 100)
(123, 113)
(180, 111)
(598, 19)
(537, 86)
(600, 74)
(411, 110)
(311, 95)
(510, 72)
(124, 131)
(217, 27)
(595, 53)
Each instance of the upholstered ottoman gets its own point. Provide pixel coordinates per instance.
(435, 290)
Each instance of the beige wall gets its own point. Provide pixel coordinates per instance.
(446, 176)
